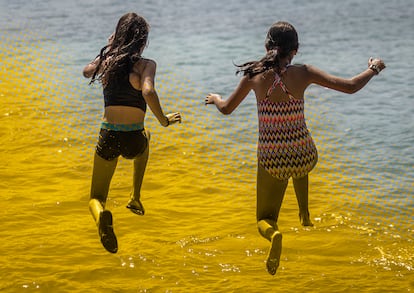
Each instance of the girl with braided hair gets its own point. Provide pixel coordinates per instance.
(128, 87)
(285, 147)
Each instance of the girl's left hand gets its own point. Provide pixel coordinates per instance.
(173, 118)
(212, 98)
(379, 63)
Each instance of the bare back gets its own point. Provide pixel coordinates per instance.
(125, 114)
(295, 79)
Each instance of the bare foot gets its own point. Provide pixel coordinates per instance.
(136, 207)
(106, 232)
(305, 220)
(273, 257)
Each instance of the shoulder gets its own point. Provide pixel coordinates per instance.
(149, 63)
(143, 65)
(302, 72)
(298, 68)
(315, 74)
(310, 69)
(250, 82)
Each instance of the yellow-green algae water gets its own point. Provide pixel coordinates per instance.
(199, 232)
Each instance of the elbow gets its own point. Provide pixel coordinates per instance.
(354, 86)
(224, 107)
(226, 110)
(148, 92)
(87, 72)
(352, 89)
(349, 88)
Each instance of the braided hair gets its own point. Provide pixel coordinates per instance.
(281, 40)
(119, 56)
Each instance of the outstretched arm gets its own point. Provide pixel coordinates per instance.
(151, 96)
(229, 105)
(90, 68)
(349, 86)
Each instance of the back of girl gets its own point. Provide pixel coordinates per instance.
(128, 87)
(285, 147)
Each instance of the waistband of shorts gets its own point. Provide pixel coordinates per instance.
(123, 127)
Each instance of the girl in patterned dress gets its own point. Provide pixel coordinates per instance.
(285, 147)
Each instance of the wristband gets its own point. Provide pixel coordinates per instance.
(375, 68)
(168, 121)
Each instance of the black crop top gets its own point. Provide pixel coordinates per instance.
(124, 94)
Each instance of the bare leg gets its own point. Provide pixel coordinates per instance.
(270, 193)
(301, 191)
(140, 163)
(103, 171)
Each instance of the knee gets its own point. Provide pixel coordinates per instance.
(96, 203)
(97, 198)
(267, 221)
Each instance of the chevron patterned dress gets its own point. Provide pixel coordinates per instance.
(285, 146)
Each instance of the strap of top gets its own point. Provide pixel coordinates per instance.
(278, 81)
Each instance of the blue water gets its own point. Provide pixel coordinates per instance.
(368, 135)
(200, 40)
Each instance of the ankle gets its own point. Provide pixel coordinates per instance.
(275, 233)
(304, 219)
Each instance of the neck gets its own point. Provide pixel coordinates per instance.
(285, 62)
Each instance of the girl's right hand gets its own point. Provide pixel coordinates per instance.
(212, 98)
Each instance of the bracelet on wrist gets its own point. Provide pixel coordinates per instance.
(375, 68)
(168, 121)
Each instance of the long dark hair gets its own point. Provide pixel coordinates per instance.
(281, 40)
(119, 56)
